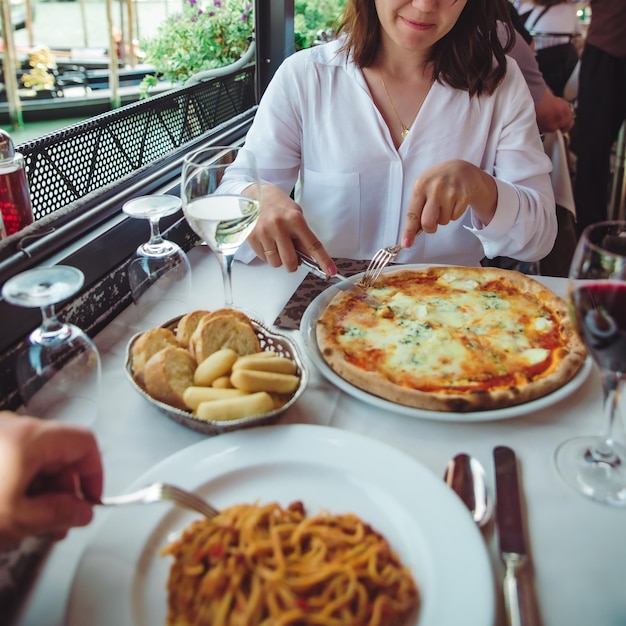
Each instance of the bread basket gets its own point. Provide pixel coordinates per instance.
(269, 340)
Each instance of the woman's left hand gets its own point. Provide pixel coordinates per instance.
(443, 193)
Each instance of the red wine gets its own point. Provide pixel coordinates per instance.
(600, 309)
(15, 200)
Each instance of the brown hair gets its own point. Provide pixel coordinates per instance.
(464, 58)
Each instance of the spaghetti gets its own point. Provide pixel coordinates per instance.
(264, 565)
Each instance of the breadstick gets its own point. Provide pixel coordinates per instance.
(223, 382)
(264, 354)
(214, 366)
(253, 380)
(235, 408)
(193, 396)
(278, 364)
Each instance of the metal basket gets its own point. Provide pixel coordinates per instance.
(270, 341)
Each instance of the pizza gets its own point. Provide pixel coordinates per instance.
(455, 339)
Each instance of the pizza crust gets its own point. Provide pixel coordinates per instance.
(358, 362)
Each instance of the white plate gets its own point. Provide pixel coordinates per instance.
(121, 579)
(307, 328)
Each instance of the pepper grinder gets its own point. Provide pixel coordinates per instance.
(15, 205)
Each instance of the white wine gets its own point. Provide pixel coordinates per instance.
(223, 221)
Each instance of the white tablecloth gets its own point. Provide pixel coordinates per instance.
(578, 546)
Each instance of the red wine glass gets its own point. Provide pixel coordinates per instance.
(596, 465)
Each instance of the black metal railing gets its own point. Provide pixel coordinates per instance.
(80, 177)
(67, 165)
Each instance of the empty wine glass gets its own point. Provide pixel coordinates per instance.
(159, 275)
(58, 372)
(596, 465)
(221, 201)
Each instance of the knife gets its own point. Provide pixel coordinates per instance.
(521, 609)
(339, 281)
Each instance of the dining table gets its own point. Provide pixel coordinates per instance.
(577, 546)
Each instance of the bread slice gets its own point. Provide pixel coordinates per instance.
(225, 330)
(146, 345)
(168, 373)
(187, 324)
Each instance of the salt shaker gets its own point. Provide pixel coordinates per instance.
(15, 205)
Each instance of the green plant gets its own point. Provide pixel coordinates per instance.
(312, 16)
(199, 39)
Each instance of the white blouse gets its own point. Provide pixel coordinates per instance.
(317, 128)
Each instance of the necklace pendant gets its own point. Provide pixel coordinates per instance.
(405, 132)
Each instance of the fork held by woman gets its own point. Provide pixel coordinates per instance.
(378, 263)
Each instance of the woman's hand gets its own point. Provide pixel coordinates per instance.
(48, 469)
(281, 229)
(443, 193)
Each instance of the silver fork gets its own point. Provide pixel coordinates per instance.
(378, 263)
(156, 492)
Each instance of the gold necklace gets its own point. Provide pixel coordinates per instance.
(404, 129)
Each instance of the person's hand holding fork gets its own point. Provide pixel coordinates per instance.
(48, 471)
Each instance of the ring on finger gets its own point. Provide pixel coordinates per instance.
(269, 252)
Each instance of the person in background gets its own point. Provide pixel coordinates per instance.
(412, 128)
(555, 27)
(49, 470)
(518, 24)
(553, 112)
(601, 108)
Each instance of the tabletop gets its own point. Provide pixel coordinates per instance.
(578, 547)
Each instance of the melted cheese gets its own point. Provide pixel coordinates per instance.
(454, 330)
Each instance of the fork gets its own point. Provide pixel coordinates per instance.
(378, 263)
(157, 492)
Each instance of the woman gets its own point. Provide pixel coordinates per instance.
(413, 120)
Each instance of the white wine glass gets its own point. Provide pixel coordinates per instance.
(596, 465)
(58, 372)
(159, 275)
(221, 198)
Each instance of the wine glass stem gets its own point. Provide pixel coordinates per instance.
(603, 451)
(51, 329)
(156, 239)
(226, 261)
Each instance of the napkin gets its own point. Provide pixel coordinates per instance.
(309, 289)
(555, 148)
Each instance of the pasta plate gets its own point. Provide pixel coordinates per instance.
(121, 578)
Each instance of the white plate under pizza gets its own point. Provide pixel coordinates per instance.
(450, 343)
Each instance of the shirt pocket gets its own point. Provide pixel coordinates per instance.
(331, 203)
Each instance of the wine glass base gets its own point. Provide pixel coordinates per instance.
(600, 480)
(74, 410)
(251, 313)
(160, 288)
